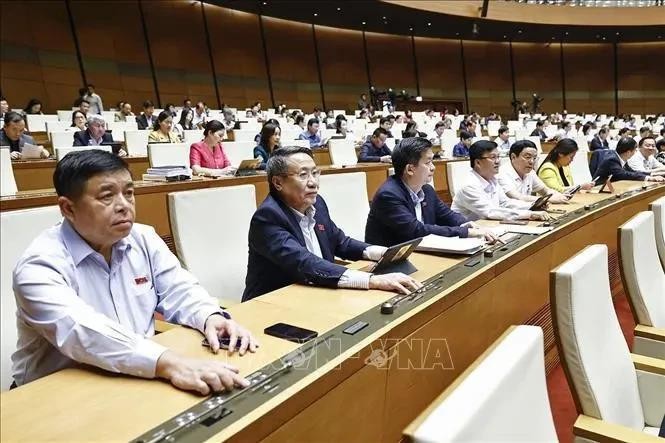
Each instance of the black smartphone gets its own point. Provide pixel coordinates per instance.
(223, 343)
(290, 332)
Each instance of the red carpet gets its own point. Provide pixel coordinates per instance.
(561, 400)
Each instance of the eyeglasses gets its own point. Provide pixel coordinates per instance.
(303, 176)
(494, 158)
(529, 158)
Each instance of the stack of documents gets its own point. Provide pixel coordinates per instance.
(168, 174)
(29, 151)
(450, 245)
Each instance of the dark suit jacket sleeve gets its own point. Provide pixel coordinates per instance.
(365, 156)
(141, 122)
(612, 166)
(273, 241)
(78, 139)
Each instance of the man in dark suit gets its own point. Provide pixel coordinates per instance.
(293, 240)
(147, 119)
(375, 149)
(539, 131)
(95, 135)
(600, 140)
(407, 207)
(617, 165)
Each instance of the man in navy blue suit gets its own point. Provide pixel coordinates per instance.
(293, 240)
(617, 165)
(407, 207)
(95, 135)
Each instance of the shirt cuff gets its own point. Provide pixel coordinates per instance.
(374, 252)
(146, 354)
(353, 279)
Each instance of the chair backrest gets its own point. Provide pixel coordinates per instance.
(168, 154)
(218, 260)
(118, 129)
(244, 135)
(109, 116)
(17, 229)
(658, 208)
(502, 396)
(37, 122)
(458, 173)
(493, 128)
(346, 196)
(343, 152)
(192, 136)
(61, 152)
(136, 142)
(593, 350)
(65, 115)
(7, 180)
(239, 151)
(54, 126)
(536, 141)
(643, 275)
(579, 168)
(62, 139)
(301, 143)
(582, 144)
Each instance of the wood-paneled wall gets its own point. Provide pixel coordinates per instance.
(41, 61)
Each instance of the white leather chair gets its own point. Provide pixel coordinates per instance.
(7, 180)
(658, 209)
(536, 141)
(239, 151)
(301, 143)
(65, 115)
(346, 196)
(37, 122)
(613, 392)
(644, 283)
(582, 144)
(458, 173)
(118, 129)
(61, 152)
(218, 260)
(501, 397)
(493, 128)
(168, 154)
(59, 126)
(244, 135)
(17, 230)
(579, 168)
(109, 116)
(342, 152)
(193, 136)
(62, 139)
(136, 142)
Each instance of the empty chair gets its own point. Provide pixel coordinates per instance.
(342, 152)
(239, 151)
(536, 141)
(65, 115)
(458, 173)
(7, 180)
(53, 126)
(109, 116)
(168, 154)
(242, 135)
(219, 260)
(501, 397)
(37, 122)
(118, 129)
(136, 142)
(493, 128)
(602, 377)
(17, 230)
(658, 208)
(61, 152)
(583, 144)
(62, 139)
(193, 136)
(579, 168)
(346, 196)
(644, 282)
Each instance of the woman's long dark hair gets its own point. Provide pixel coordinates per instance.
(565, 146)
(160, 118)
(267, 131)
(183, 118)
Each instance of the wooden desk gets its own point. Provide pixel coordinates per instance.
(348, 399)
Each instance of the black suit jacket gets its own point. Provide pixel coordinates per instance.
(278, 256)
(539, 133)
(597, 143)
(82, 138)
(142, 122)
(392, 216)
(611, 165)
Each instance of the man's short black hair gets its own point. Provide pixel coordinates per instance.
(503, 129)
(521, 145)
(540, 123)
(383, 120)
(439, 124)
(312, 121)
(644, 129)
(378, 131)
(660, 144)
(409, 152)
(277, 164)
(626, 144)
(648, 137)
(477, 149)
(75, 169)
(83, 101)
(465, 135)
(602, 131)
(13, 117)
(148, 104)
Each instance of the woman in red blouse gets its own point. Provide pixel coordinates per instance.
(207, 157)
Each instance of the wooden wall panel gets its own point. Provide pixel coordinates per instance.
(538, 69)
(37, 55)
(391, 62)
(295, 79)
(115, 58)
(440, 68)
(641, 79)
(589, 70)
(488, 77)
(342, 66)
(179, 51)
(238, 55)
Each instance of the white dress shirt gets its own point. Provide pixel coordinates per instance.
(351, 278)
(561, 134)
(480, 199)
(72, 306)
(510, 180)
(638, 163)
(417, 198)
(504, 146)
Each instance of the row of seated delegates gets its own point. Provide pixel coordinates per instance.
(292, 238)
(95, 134)
(13, 134)
(375, 149)
(555, 171)
(406, 206)
(207, 157)
(269, 139)
(482, 197)
(618, 163)
(77, 288)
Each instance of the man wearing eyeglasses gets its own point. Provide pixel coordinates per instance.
(518, 178)
(644, 159)
(292, 238)
(482, 197)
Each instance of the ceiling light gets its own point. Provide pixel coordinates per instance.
(364, 23)
(339, 9)
(410, 29)
(519, 31)
(429, 23)
(316, 15)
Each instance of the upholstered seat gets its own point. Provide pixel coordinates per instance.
(458, 174)
(342, 152)
(61, 152)
(658, 209)
(236, 152)
(501, 397)
(346, 197)
(7, 180)
(168, 154)
(136, 142)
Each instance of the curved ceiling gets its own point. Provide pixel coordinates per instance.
(395, 17)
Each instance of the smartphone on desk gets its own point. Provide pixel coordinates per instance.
(514, 222)
(290, 332)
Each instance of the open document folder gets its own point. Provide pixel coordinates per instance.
(450, 245)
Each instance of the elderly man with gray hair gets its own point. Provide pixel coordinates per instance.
(95, 135)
